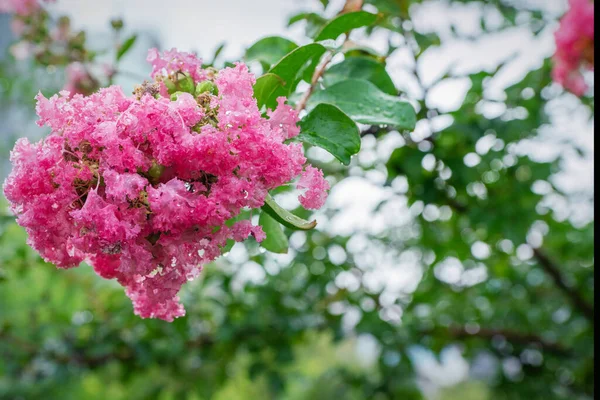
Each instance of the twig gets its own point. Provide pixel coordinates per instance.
(313, 82)
(515, 337)
(350, 5)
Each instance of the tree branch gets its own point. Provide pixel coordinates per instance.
(515, 337)
(314, 81)
(554, 271)
(350, 5)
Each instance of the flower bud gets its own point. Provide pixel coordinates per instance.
(207, 87)
(117, 24)
(180, 83)
(171, 88)
(175, 95)
(186, 84)
(156, 170)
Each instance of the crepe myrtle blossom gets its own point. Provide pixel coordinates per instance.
(574, 46)
(145, 187)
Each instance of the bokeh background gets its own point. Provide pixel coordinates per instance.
(452, 262)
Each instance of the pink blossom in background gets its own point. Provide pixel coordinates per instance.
(22, 50)
(21, 7)
(79, 80)
(17, 26)
(574, 46)
(142, 187)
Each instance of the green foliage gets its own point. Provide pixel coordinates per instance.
(314, 22)
(361, 68)
(290, 68)
(265, 86)
(276, 240)
(269, 50)
(286, 218)
(345, 23)
(125, 46)
(365, 103)
(328, 127)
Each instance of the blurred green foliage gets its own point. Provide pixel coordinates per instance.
(288, 327)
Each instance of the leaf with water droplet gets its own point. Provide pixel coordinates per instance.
(361, 68)
(362, 101)
(328, 127)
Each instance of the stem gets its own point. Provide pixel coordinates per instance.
(350, 5)
(314, 81)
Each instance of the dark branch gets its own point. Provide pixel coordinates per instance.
(554, 271)
(511, 336)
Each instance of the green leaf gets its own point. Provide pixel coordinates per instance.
(361, 68)
(365, 103)
(218, 52)
(290, 67)
(351, 49)
(265, 86)
(269, 50)
(393, 7)
(285, 217)
(314, 22)
(345, 23)
(125, 46)
(276, 240)
(328, 127)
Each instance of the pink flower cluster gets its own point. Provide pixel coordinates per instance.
(575, 46)
(145, 187)
(21, 7)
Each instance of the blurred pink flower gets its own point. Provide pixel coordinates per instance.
(21, 7)
(22, 50)
(574, 46)
(79, 80)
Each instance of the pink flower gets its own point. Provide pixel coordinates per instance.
(316, 194)
(143, 187)
(284, 119)
(22, 50)
(173, 61)
(575, 46)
